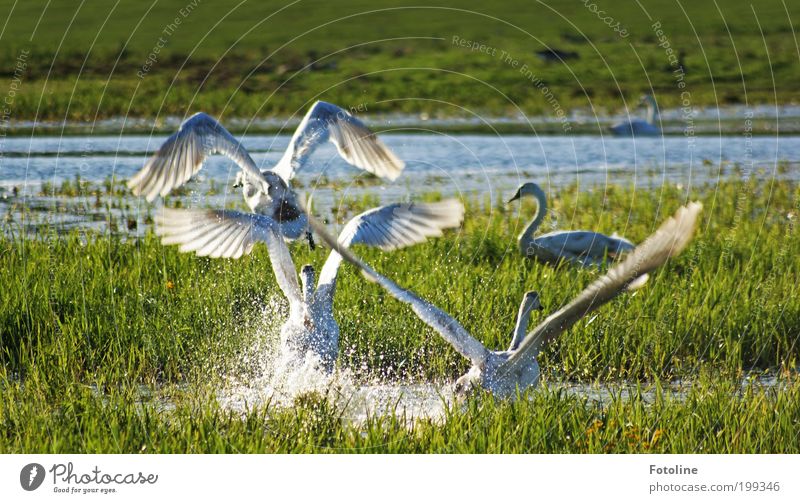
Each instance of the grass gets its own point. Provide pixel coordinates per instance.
(256, 59)
(88, 321)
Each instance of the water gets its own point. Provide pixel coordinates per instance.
(462, 165)
(459, 163)
(263, 373)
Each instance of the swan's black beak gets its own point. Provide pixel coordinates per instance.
(516, 196)
(237, 185)
(310, 237)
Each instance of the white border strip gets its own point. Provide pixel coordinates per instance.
(387, 478)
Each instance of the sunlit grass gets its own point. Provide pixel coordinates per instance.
(87, 320)
(391, 56)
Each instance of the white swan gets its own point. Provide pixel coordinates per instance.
(638, 127)
(266, 192)
(311, 325)
(584, 248)
(505, 372)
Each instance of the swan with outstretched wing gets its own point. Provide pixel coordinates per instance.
(506, 372)
(266, 192)
(311, 326)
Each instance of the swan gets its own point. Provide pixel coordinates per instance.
(638, 127)
(584, 248)
(505, 372)
(311, 325)
(265, 192)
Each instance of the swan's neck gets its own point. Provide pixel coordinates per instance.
(527, 235)
(307, 279)
(327, 279)
(523, 317)
(651, 110)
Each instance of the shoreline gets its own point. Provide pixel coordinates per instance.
(498, 127)
(729, 120)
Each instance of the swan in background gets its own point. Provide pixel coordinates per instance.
(638, 127)
(311, 325)
(505, 372)
(584, 248)
(265, 192)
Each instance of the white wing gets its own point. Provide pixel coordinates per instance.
(353, 139)
(450, 329)
(229, 234)
(391, 227)
(669, 240)
(578, 246)
(182, 155)
(402, 224)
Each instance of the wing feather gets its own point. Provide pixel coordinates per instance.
(391, 227)
(354, 141)
(229, 234)
(669, 240)
(448, 327)
(183, 153)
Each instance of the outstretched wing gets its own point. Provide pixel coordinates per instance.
(402, 224)
(391, 227)
(450, 329)
(669, 240)
(183, 154)
(229, 234)
(353, 139)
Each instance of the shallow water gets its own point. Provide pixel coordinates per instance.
(413, 401)
(464, 162)
(471, 165)
(481, 166)
(263, 374)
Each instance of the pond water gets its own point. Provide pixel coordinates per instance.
(461, 162)
(32, 168)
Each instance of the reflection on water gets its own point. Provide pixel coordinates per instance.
(33, 170)
(27, 162)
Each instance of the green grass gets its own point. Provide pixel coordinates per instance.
(256, 59)
(86, 321)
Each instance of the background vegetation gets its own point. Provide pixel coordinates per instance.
(260, 59)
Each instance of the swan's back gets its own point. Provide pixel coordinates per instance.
(636, 127)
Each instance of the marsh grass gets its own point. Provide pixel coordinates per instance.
(88, 321)
(82, 63)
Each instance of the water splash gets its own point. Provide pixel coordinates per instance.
(268, 372)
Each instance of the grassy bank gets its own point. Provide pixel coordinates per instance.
(255, 59)
(87, 320)
(713, 418)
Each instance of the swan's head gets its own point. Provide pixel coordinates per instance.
(526, 189)
(249, 189)
(531, 301)
(646, 100)
(239, 181)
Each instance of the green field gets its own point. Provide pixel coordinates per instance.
(261, 59)
(115, 344)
